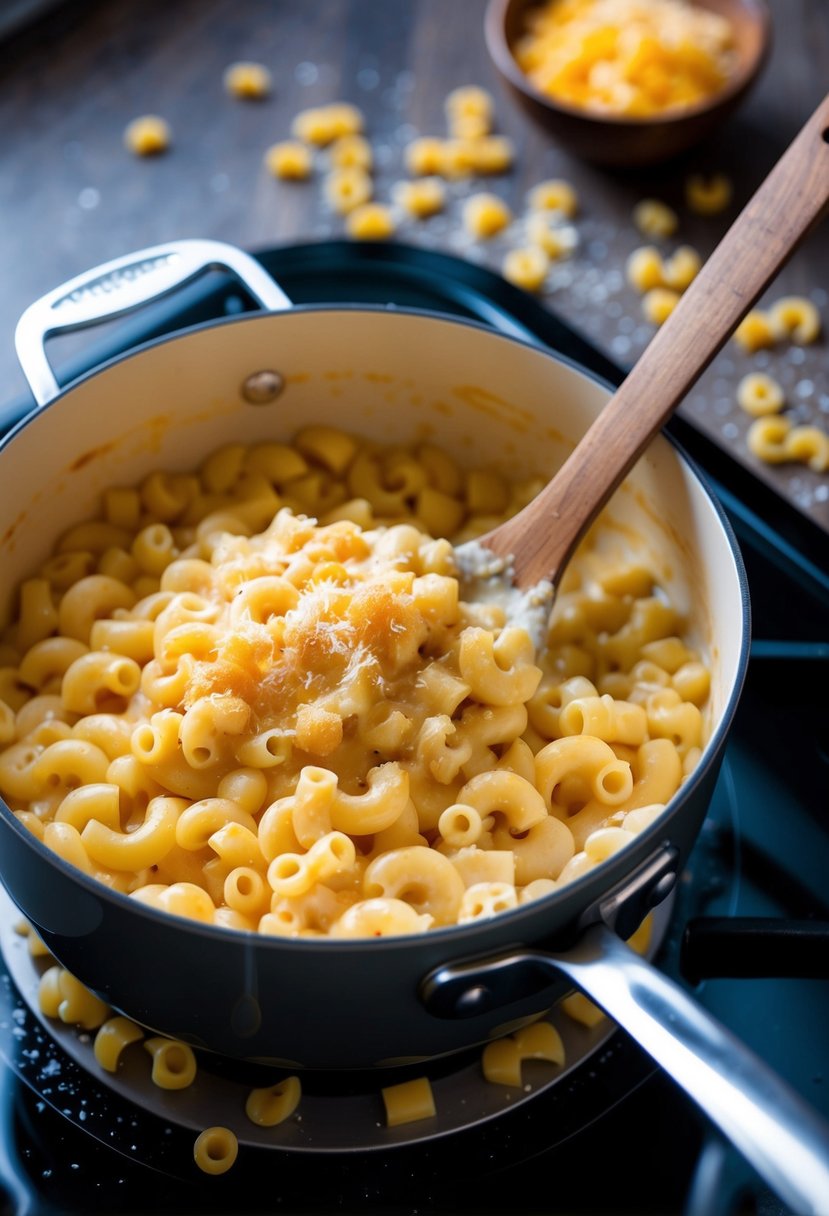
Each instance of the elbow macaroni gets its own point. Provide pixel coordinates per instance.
(305, 728)
(215, 1150)
(408, 1102)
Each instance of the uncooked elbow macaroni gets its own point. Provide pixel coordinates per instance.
(258, 696)
(174, 1064)
(116, 1034)
(274, 1103)
(408, 1102)
(502, 1059)
(62, 996)
(215, 1150)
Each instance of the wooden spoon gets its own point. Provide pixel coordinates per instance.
(538, 542)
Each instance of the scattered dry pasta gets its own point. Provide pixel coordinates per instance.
(775, 440)
(796, 319)
(654, 218)
(644, 269)
(487, 156)
(112, 1038)
(346, 189)
(37, 946)
(278, 710)
(808, 445)
(251, 81)
(370, 222)
(582, 1010)
(424, 156)
(274, 1104)
(661, 280)
(759, 394)
(62, 996)
(408, 1102)
(767, 439)
(323, 124)
(681, 268)
(548, 233)
(469, 111)
(790, 319)
(460, 156)
(658, 304)
(215, 1150)
(754, 332)
(350, 151)
(485, 215)
(174, 1064)
(470, 149)
(502, 1059)
(554, 195)
(421, 198)
(708, 195)
(631, 57)
(148, 135)
(290, 160)
(526, 268)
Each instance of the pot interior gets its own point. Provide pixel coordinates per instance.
(390, 376)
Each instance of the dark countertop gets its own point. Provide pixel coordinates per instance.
(73, 197)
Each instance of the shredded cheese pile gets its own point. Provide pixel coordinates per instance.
(626, 57)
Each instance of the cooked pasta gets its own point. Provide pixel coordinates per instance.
(302, 722)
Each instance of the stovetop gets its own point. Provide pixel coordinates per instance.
(615, 1135)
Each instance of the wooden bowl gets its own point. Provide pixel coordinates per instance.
(623, 141)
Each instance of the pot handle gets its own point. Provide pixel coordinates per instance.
(771, 1125)
(122, 285)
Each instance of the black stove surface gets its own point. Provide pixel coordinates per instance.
(618, 1136)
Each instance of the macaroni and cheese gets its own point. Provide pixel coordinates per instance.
(259, 695)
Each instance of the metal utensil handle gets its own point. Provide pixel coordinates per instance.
(123, 285)
(782, 1137)
(771, 1125)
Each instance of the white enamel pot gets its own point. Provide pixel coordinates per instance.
(492, 400)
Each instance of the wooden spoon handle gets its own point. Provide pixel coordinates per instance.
(790, 201)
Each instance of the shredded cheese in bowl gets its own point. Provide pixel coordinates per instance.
(631, 58)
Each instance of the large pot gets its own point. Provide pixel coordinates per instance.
(491, 399)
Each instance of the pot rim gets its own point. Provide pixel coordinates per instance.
(587, 888)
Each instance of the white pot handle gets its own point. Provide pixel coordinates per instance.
(123, 285)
